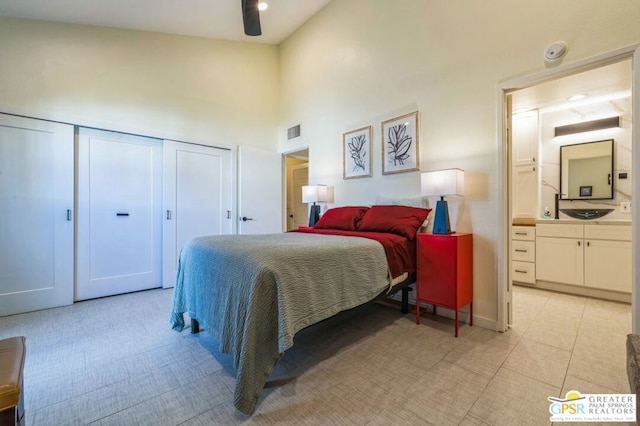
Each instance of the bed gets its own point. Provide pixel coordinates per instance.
(253, 293)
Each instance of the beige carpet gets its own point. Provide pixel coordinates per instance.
(114, 361)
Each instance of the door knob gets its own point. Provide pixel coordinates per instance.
(244, 218)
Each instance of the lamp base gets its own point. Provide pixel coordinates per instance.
(441, 221)
(314, 214)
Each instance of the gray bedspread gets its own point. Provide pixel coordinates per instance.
(254, 292)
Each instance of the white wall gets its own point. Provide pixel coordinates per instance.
(359, 62)
(194, 89)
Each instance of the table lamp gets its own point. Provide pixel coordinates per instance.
(314, 194)
(442, 183)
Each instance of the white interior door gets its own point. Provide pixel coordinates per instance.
(260, 191)
(197, 198)
(119, 213)
(36, 206)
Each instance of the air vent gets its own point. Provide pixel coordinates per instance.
(293, 132)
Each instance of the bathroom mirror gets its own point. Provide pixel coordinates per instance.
(586, 171)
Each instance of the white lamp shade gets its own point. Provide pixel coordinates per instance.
(442, 183)
(314, 193)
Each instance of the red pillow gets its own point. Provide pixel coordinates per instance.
(345, 218)
(401, 220)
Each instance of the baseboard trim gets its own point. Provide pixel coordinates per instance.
(595, 293)
(463, 315)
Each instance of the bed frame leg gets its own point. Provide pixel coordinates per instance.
(404, 307)
(195, 326)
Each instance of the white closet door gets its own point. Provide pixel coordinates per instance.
(198, 198)
(36, 203)
(119, 213)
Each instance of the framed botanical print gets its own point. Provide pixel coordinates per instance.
(357, 153)
(400, 144)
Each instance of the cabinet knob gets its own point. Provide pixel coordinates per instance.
(579, 243)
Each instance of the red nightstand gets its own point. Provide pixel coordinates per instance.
(445, 272)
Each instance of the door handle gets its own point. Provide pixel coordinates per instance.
(122, 214)
(69, 214)
(168, 214)
(244, 218)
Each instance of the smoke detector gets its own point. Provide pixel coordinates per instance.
(555, 51)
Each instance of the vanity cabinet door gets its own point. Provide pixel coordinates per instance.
(607, 265)
(525, 191)
(526, 139)
(560, 260)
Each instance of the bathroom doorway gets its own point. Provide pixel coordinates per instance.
(533, 108)
(296, 176)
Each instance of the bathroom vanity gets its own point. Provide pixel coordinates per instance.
(591, 258)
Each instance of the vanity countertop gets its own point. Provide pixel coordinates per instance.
(586, 221)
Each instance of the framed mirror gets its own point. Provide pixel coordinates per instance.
(586, 171)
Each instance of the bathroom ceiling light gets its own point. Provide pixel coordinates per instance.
(262, 5)
(587, 126)
(577, 97)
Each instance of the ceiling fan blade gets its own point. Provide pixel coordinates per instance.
(251, 17)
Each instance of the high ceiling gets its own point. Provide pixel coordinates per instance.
(218, 19)
(222, 19)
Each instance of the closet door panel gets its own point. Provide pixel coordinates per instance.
(36, 206)
(119, 214)
(197, 198)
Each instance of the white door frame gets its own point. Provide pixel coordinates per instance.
(503, 237)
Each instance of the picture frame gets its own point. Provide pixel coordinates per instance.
(400, 140)
(356, 147)
(585, 191)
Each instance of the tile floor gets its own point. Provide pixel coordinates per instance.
(114, 361)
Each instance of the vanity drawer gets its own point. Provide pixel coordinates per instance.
(524, 272)
(559, 230)
(608, 232)
(523, 250)
(527, 233)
